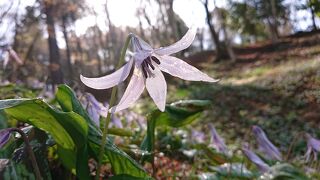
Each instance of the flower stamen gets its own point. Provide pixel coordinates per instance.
(156, 60)
(146, 63)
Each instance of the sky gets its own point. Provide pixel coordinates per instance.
(123, 13)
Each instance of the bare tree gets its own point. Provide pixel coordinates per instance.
(273, 23)
(56, 75)
(222, 18)
(68, 50)
(214, 34)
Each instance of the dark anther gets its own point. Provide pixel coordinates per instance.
(148, 62)
(143, 65)
(156, 60)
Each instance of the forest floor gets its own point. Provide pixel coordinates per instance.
(275, 86)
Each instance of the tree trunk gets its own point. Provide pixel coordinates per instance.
(228, 42)
(56, 75)
(96, 44)
(213, 33)
(313, 17)
(111, 39)
(66, 38)
(273, 23)
(30, 48)
(172, 22)
(201, 40)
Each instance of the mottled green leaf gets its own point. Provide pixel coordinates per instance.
(121, 162)
(68, 129)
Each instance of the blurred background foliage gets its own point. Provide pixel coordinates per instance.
(266, 53)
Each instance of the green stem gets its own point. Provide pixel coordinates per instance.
(111, 103)
(293, 142)
(30, 152)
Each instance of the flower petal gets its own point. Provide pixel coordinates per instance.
(110, 80)
(265, 145)
(217, 141)
(182, 44)
(93, 114)
(133, 91)
(179, 68)
(4, 137)
(140, 45)
(157, 88)
(262, 166)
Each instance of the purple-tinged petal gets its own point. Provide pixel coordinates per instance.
(133, 91)
(217, 141)
(265, 146)
(110, 80)
(157, 88)
(4, 137)
(117, 122)
(92, 100)
(182, 44)
(262, 166)
(308, 153)
(314, 143)
(140, 45)
(101, 109)
(179, 68)
(94, 108)
(313, 147)
(94, 114)
(198, 136)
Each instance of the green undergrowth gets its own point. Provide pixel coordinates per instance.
(281, 98)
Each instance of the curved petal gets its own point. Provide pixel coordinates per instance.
(140, 45)
(262, 166)
(182, 44)
(157, 88)
(4, 136)
(179, 68)
(133, 91)
(110, 80)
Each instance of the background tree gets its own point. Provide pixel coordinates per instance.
(246, 22)
(56, 76)
(213, 33)
(273, 13)
(314, 6)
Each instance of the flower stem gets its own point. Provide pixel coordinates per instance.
(293, 142)
(111, 103)
(30, 152)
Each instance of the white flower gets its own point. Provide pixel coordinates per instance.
(265, 145)
(261, 165)
(313, 147)
(148, 64)
(94, 108)
(217, 141)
